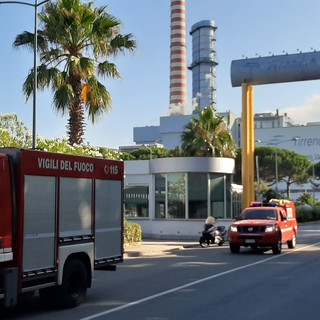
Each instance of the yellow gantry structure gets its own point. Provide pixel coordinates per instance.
(247, 144)
(265, 70)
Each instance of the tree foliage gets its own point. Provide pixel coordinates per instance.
(13, 133)
(152, 152)
(292, 167)
(75, 43)
(207, 135)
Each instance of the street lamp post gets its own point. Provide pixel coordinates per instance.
(276, 163)
(35, 76)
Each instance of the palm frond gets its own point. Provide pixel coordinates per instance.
(25, 39)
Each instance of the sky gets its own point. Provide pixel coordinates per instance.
(246, 28)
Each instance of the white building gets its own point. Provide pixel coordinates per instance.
(172, 197)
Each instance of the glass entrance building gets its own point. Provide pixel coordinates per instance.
(167, 196)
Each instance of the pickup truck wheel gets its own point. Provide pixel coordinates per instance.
(277, 248)
(234, 248)
(292, 243)
(73, 289)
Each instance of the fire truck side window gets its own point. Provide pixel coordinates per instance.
(283, 215)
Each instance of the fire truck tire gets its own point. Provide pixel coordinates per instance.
(292, 243)
(73, 289)
(276, 249)
(46, 296)
(234, 248)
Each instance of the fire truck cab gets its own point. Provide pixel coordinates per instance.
(265, 225)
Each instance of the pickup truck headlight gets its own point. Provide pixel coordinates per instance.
(233, 228)
(271, 228)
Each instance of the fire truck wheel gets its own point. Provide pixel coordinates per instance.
(292, 243)
(46, 296)
(73, 289)
(234, 248)
(276, 249)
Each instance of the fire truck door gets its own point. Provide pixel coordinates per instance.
(39, 222)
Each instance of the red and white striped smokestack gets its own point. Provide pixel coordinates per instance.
(178, 56)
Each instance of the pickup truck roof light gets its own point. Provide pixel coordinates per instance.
(263, 204)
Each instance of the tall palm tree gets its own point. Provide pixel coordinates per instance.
(75, 41)
(207, 135)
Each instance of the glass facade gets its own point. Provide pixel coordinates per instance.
(190, 188)
(176, 191)
(198, 195)
(192, 195)
(136, 201)
(160, 196)
(217, 194)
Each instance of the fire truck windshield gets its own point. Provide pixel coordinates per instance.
(269, 214)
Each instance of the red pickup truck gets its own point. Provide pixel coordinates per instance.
(265, 225)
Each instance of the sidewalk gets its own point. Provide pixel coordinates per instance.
(157, 247)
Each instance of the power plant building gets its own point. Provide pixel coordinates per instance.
(170, 197)
(203, 68)
(204, 63)
(178, 58)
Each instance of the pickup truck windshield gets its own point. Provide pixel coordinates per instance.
(259, 214)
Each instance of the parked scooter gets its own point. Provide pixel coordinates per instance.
(212, 234)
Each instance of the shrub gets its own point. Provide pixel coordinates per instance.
(307, 213)
(132, 232)
(316, 213)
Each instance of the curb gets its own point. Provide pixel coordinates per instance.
(156, 251)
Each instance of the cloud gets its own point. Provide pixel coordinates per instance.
(309, 112)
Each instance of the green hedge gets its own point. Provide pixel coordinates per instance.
(132, 233)
(306, 214)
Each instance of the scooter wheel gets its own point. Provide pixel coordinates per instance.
(203, 243)
(220, 243)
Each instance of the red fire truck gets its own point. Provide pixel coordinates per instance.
(61, 218)
(265, 225)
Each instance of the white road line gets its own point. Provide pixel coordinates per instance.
(133, 303)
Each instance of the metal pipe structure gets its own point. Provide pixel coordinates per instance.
(204, 63)
(35, 78)
(276, 69)
(178, 57)
(247, 145)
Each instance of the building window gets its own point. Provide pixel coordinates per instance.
(217, 195)
(176, 195)
(160, 196)
(136, 201)
(198, 195)
(185, 196)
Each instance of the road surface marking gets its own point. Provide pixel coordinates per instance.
(160, 294)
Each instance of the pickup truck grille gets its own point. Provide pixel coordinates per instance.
(251, 229)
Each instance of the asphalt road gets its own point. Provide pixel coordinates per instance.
(198, 283)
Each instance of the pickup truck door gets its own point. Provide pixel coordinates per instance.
(285, 226)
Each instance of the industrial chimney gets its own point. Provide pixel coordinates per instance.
(178, 58)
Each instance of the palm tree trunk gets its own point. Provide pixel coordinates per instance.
(76, 123)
